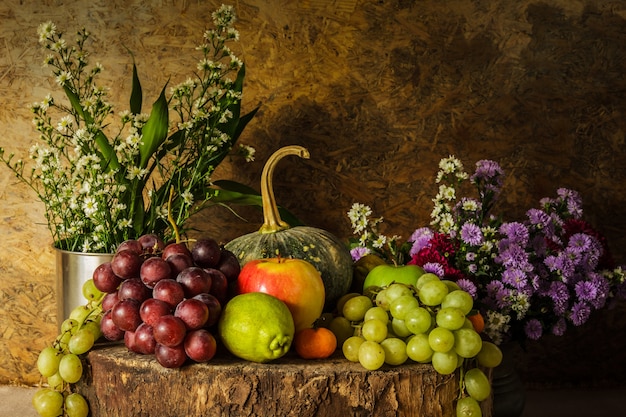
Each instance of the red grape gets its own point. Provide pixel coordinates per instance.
(200, 345)
(179, 262)
(125, 314)
(175, 248)
(206, 253)
(194, 281)
(153, 270)
(133, 289)
(152, 309)
(126, 264)
(109, 301)
(129, 342)
(169, 331)
(131, 245)
(229, 265)
(144, 339)
(109, 329)
(215, 308)
(170, 291)
(170, 357)
(194, 313)
(105, 279)
(151, 243)
(219, 284)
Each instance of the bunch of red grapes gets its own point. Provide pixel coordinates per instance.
(166, 300)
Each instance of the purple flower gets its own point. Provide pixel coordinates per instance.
(580, 313)
(470, 256)
(572, 200)
(516, 233)
(586, 290)
(515, 278)
(420, 238)
(559, 294)
(559, 328)
(358, 252)
(533, 329)
(488, 171)
(468, 286)
(434, 268)
(471, 234)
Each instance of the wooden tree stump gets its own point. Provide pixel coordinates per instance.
(117, 382)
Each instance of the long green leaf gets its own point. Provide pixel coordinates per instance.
(136, 95)
(75, 101)
(155, 130)
(228, 196)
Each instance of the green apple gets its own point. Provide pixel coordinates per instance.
(383, 275)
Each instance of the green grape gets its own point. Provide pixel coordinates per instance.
(48, 402)
(452, 286)
(69, 326)
(451, 318)
(459, 299)
(468, 407)
(418, 320)
(395, 351)
(350, 348)
(81, 342)
(433, 292)
(90, 292)
(64, 339)
(378, 313)
(401, 305)
(355, 308)
(374, 330)
(424, 278)
(70, 368)
(76, 405)
(467, 324)
(445, 362)
(80, 313)
(441, 339)
(398, 327)
(341, 328)
(48, 361)
(467, 343)
(342, 300)
(56, 382)
(490, 355)
(397, 290)
(371, 355)
(382, 299)
(418, 348)
(477, 384)
(93, 326)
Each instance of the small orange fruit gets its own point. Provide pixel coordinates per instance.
(477, 321)
(315, 343)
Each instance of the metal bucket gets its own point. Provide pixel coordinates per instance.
(73, 269)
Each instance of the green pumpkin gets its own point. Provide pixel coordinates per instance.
(276, 238)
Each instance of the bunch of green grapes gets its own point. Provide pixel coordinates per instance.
(60, 363)
(426, 323)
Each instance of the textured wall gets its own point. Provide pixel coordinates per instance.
(378, 91)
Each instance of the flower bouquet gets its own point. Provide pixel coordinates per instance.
(528, 278)
(104, 179)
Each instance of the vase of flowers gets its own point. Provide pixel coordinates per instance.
(104, 177)
(540, 275)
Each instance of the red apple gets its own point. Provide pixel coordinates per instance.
(296, 282)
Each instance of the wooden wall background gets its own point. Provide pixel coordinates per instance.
(378, 91)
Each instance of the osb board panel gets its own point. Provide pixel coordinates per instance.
(378, 92)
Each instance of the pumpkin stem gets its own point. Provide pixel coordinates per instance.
(271, 218)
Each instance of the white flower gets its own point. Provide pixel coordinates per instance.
(90, 206)
(136, 173)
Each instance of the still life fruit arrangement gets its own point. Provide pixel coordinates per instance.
(282, 290)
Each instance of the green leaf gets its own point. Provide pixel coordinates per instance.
(107, 151)
(75, 101)
(232, 192)
(155, 130)
(136, 95)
